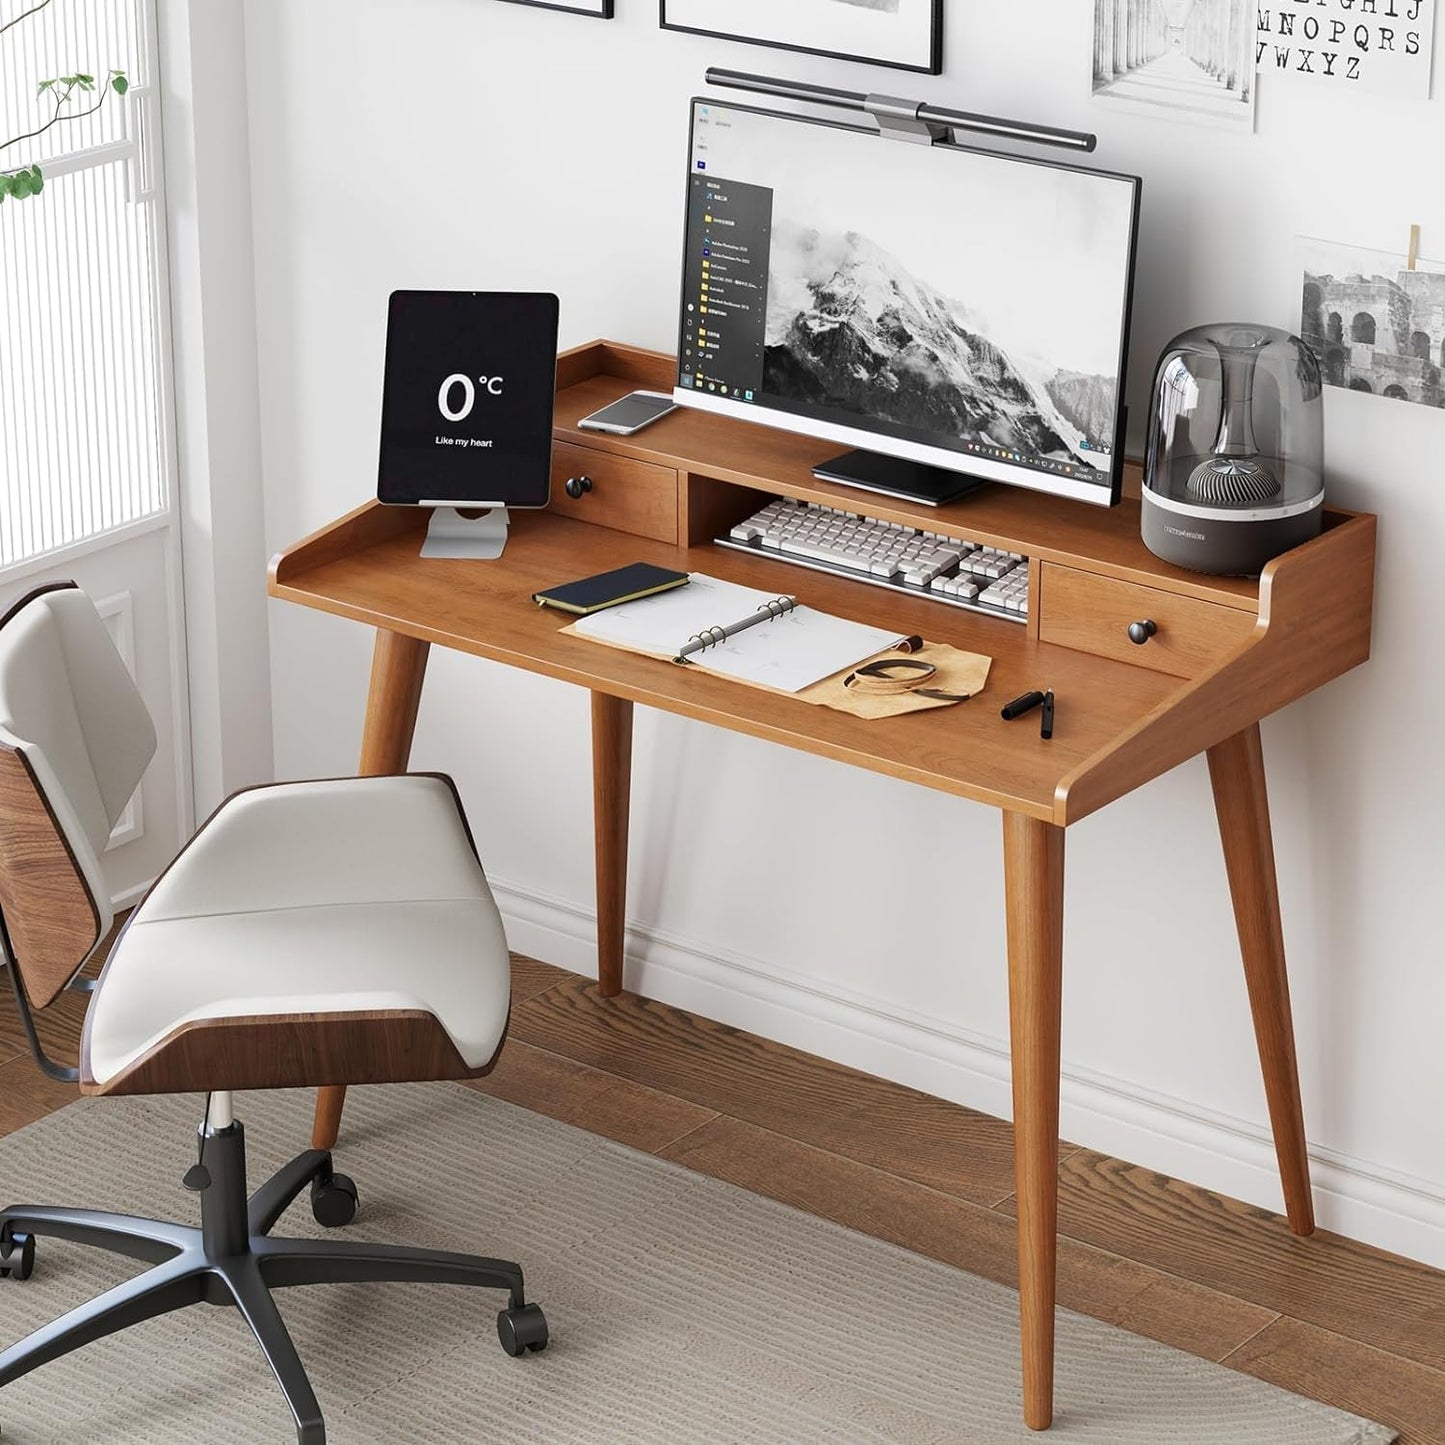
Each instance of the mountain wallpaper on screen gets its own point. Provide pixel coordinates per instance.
(849, 327)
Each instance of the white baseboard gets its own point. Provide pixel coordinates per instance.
(1353, 1197)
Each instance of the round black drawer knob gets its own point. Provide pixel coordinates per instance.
(1141, 632)
(576, 486)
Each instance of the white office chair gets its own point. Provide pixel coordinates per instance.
(333, 932)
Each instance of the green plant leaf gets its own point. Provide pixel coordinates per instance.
(20, 185)
(119, 83)
(85, 79)
(44, 86)
(37, 181)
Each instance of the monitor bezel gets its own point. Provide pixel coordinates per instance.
(869, 438)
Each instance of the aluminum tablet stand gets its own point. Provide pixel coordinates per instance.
(453, 534)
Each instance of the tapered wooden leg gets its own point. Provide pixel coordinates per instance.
(1236, 770)
(1034, 888)
(611, 799)
(398, 667)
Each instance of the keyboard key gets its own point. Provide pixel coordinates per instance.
(924, 569)
(822, 552)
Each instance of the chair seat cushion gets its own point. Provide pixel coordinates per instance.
(332, 897)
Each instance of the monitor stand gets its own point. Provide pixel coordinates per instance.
(895, 477)
(481, 536)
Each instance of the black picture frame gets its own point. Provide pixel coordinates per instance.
(933, 67)
(602, 12)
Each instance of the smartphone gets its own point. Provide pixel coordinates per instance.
(631, 414)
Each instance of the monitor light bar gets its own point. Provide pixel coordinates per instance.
(914, 120)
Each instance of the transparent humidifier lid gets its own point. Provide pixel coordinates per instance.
(1237, 421)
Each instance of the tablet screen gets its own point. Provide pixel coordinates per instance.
(466, 415)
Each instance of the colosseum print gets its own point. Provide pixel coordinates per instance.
(1376, 326)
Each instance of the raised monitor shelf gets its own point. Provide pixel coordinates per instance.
(725, 470)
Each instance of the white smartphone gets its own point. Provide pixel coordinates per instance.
(631, 414)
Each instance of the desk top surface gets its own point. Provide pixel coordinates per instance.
(485, 608)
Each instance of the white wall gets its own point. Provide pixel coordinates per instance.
(208, 219)
(481, 144)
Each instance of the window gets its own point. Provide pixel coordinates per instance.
(82, 396)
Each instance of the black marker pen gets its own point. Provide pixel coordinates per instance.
(1020, 705)
(1046, 720)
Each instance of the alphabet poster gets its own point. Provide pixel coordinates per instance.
(1366, 45)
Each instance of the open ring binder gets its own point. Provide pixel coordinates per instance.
(711, 613)
(715, 636)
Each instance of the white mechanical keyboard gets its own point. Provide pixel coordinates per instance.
(888, 554)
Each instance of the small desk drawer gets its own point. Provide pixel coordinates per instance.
(1093, 614)
(626, 495)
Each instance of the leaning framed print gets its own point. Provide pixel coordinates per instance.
(598, 9)
(907, 34)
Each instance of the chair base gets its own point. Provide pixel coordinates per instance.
(232, 1260)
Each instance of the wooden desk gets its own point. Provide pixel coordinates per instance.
(1227, 653)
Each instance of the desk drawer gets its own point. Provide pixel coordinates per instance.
(1093, 613)
(626, 495)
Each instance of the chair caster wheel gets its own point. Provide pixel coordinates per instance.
(17, 1257)
(333, 1201)
(521, 1329)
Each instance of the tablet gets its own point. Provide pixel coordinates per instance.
(466, 412)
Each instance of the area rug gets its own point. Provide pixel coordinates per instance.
(684, 1311)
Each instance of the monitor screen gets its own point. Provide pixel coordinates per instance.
(466, 410)
(953, 307)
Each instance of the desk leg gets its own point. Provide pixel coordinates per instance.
(1034, 888)
(611, 801)
(1236, 770)
(398, 665)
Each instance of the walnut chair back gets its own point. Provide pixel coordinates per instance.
(75, 739)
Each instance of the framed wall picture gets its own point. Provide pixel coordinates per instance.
(598, 9)
(907, 34)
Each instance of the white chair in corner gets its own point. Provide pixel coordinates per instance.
(333, 932)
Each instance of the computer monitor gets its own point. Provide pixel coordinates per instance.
(960, 315)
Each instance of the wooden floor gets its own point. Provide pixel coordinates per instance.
(1326, 1317)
